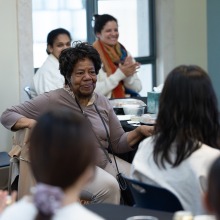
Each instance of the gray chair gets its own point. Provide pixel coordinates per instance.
(30, 92)
(153, 197)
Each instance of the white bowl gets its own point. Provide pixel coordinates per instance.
(133, 109)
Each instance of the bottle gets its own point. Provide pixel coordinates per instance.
(182, 215)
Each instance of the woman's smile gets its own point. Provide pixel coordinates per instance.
(109, 34)
(84, 78)
(88, 86)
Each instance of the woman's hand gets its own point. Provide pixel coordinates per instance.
(31, 123)
(145, 130)
(129, 67)
(6, 200)
(24, 123)
(139, 133)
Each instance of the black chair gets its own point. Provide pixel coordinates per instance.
(153, 197)
(4, 169)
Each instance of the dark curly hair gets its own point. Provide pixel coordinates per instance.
(188, 115)
(79, 51)
(101, 20)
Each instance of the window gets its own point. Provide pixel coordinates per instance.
(52, 14)
(133, 23)
(136, 28)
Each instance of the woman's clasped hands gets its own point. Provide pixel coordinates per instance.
(129, 67)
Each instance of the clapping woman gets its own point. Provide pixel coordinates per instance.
(119, 70)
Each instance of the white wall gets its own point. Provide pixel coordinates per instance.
(16, 62)
(181, 34)
(191, 32)
(9, 83)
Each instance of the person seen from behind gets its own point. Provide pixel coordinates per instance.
(186, 139)
(62, 162)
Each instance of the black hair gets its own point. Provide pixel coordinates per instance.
(188, 115)
(101, 20)
(79, 51)
(61, 149)
(51, 37)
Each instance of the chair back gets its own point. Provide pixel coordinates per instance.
(20, 164)
(31, 93)
(153, 197)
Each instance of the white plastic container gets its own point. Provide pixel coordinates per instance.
(133, 109)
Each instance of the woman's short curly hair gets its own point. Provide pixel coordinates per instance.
(71, 56)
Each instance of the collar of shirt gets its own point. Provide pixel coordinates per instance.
(90, 102)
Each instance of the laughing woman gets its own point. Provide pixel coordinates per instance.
(118, 73)
(79, 66)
